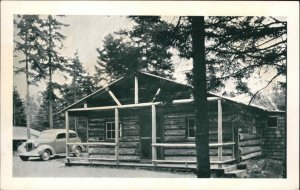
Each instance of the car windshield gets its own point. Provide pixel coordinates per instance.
(47, 135)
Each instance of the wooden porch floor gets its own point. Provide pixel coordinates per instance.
(178, 167)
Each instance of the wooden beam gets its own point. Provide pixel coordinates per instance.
(117, 135)
(156, 94)
(94, 144)
(154, 153)
(220, 138)
(138, 105)
(136, 90)
(113, 96)
(67, 133)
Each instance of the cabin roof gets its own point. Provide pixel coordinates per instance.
(154, 83)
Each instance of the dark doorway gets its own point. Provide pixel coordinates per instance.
(146, 135)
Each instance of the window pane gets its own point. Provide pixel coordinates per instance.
(191, 133)
(108, 125)
(113, 134)
(191, 123)
(113, 126)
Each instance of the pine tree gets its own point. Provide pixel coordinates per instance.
(82, 83)
(138, 49)
(54, 61)
(19, 116)
(29, 44)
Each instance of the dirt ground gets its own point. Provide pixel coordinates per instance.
(56, 168)
(256, 168)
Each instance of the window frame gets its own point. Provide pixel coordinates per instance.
(120, 130)
(274, 127)
(188, 128)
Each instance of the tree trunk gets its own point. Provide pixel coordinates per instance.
(50, 100)
(50, 83)
(27, 94)
(200, 97)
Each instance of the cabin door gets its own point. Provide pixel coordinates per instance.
(146, 135)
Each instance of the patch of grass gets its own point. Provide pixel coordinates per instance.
(264, 168)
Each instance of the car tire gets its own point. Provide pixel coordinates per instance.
(77, 151)
(24, 158)
(45, 155)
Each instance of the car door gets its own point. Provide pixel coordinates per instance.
(60, 144)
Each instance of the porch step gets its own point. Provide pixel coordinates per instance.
(238, 173)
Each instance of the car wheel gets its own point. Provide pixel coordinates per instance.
(24, 158)
(45, 155)
(77, 151)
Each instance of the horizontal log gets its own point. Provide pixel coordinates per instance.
(247, 136)
(250, 143)
(175, 161)
(96, 120)
(179, 115)
(130, 139)
(129, 144)
(215, 158)
(130, 122)
(174, 121)
(225, 152)
(175, 145)
(181, 158)
(248, 150)
(175, 138)
(252, 155)
(130, 127)
(111, 151)
(121, 157)
(226, 137)
(96, 139)
(96, 124)
(175, 132)
(180, 152)
(130, 132)
(174, 126)
(96, 129)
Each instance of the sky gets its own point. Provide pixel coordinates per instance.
(86, 33)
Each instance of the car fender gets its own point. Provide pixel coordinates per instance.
(41, 149)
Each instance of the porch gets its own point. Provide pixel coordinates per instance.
(219, 162)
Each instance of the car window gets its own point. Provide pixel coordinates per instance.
(72, 135)
(61, 136)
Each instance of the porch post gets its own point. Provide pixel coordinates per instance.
(117, 135)
(220, 138)
(136, 90)
(67, 134)
(154, 155)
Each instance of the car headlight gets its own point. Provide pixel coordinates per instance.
(36, 144)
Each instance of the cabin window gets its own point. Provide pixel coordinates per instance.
(191, 128)
(272, 121)
(110, 130)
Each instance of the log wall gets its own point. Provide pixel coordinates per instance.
(250, 137)
(129, 142)
(274, 139)
(175, 131)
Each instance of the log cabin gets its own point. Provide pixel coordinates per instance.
(150, 119)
